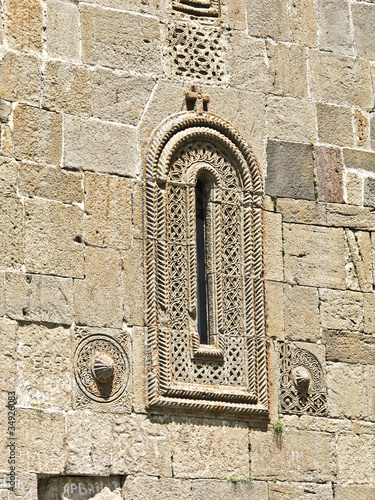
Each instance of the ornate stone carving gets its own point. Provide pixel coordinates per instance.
(208, 8)
(101, 367)
(230, 372)
(302, 388)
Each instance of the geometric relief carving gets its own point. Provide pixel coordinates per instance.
(229, 372)
(302, 385)
(101, 368)
(210, 8)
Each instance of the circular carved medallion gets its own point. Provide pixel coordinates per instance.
(101, 368)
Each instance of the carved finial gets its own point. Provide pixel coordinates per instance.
(196, 100)
(301, 377)
(103, 367)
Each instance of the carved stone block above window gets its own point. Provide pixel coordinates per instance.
(207, 8)
(224, 369)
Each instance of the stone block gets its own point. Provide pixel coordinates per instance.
(301, 313)
(5, 111)
(295, 456)
(20, 77)
(139, 336)
(37, 134)
(273, 246)
(369, 192)
(359, 160)
(288, 69)
(302, 211)
(354, 492)
(24, 24)
(6, 141)
(98, 146)
(118, 97)
(358, 260)
(11, 233)
(44, 367)
(297, 491)
(274, 309)
(98, 298)
(370, 391)
(349, 347)
(330, 174)
(108, 208)
(133, 284)
(246, 62)
(340, 215)
(268, 19)
(335, 33)
(8, 176)
(302, 20)
(237, 14)
(341, 310)
(361, 125)
(53, 238)
(340, 80)
(120, 40)
(372, 129)
(142, 446)
(291, 119)
(369, 312)
(41, 441)
(67, 87)
(63, 31)
(39, 298)
(334, 124)
(50, 182)
(314, 256)
(290, 170)
(139, 488)
(8, 358)
(363, 19)
(212, 489)
(355, 458)
(209, 448)
(354, 188)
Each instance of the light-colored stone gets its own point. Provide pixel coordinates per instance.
(340, 215)
(63, 32)
(133, 283)
(274, 309)
(361, 125)
(11, 233)
(360, 160)
(302, 19)
(80, 487)
(5, 111)
(44, 367)
(237, 14)
(363, 18)
(334, 124)
(359, 260)
(53, 238)
(229, 489)
(369, 192)
(291, 119)
(100, 146)
(98, 298)
(268, 19)
(20, 77)
(288, 69)
(120, 40)
(39, 298)
(8, 176)
(370, 391)
(335, 34)
(301, 313)
(341, 310)
(8, 359)
(354, 188)
(355, 458)
(108, 208)
(24, 24)
(314, 256)
(68, 88)
(369, 312)
(139, 336)
(296, 491)
(354, 492)
(302, 211)
(140, 488)
(273, 246)
(349, 347)
(37, 134)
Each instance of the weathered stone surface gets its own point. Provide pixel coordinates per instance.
(39, 298)
(355, 458)
(302, 211)
(296, 491)
(273, 246)
(335, 34)
(361, 128)
(11, 233)
(120, 97)
(268, 19)
(372, 128)
(290, 170)
(20, 77)
(209, 448)
(82, 487)
(133, 283)
(37, 134)
(302, 20)
(50, 182)
(354, 188)
(301, 313)
(314, 256)
(138, 337)
(120, 40)
(237, 14)
(369, 312)
(211, 490)
(295, 456)
(2, 294)
(44, 367)
(359, 260)
(288, 69)
(98, 298)
(108, 208)
(53, 238)
(63, 33)
(8, 176)
(364, 37)
(5, 110)
(349, 347)
(339, 215)
(139, 488)
(330, 177)
(291, 119)
(369, 192)
(370, 391)
(361, 160)
(274, 305)
(339, 79)
(24, 24)
(8, 358)
(67, 87)
(334, 124)
(354, 492)
(99, 146)
(341, 310)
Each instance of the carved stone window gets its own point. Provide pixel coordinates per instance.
(200, 155)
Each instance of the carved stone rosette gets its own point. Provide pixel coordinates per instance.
(230, 372)
(101, 368)
(302, 385)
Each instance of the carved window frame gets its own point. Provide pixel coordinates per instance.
(184, 146)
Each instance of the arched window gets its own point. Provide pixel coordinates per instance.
(204, 268)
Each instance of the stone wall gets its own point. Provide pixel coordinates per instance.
(83, 84)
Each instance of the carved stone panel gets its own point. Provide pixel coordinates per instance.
(228, 372)
(207, 8)
(302, 382)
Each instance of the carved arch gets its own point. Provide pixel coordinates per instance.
(231, 372)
